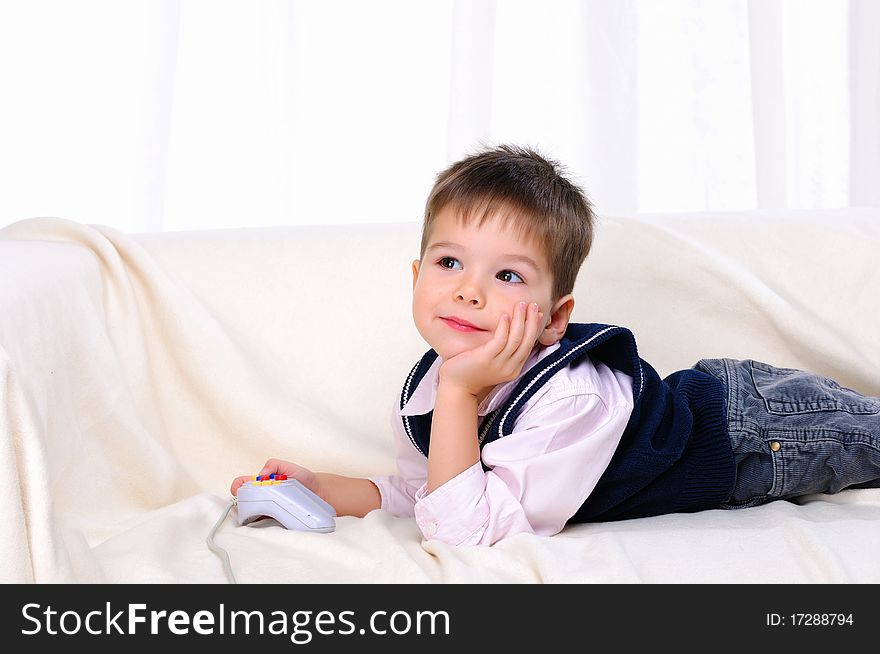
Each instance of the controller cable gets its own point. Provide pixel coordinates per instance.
(219, 551)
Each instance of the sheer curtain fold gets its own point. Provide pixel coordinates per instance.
(768, 102)
(864, 118)
(186, 114)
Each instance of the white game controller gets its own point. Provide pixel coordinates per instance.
(285, 500)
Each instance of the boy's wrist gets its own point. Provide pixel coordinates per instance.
(321, 479)
(349, 495)
(460, 393)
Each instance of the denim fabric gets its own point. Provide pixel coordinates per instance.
(795, 432)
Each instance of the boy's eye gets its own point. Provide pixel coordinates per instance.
(449, 262)
(510, 277)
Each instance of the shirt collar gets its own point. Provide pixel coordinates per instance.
(425, 395)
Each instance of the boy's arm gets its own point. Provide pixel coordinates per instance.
(454, 446)
(465, 380)
(349, 495)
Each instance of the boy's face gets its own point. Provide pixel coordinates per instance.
(469, 276)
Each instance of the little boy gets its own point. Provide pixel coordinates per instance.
(517, 421)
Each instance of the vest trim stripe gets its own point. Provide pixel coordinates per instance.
(558, 362)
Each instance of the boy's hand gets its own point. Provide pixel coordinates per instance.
(501, 359)
(275, 466)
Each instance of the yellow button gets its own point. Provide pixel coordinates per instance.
(775, 446)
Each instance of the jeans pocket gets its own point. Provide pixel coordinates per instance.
(786, 391)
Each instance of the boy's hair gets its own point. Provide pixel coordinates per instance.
(531, 192)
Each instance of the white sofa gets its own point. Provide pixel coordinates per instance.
(139, 373)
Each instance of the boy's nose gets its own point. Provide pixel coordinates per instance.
(470, 294)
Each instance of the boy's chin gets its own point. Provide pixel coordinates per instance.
(449, 350)
(445, 353)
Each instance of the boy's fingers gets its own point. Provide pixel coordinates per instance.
(272, 466)
(532, 328)
(499, 339)
(517, 329)
(534, 331)
(529, 334)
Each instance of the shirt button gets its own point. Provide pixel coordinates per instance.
(775, 446)
(431, 528)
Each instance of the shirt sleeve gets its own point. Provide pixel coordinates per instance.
(539, 475)
(398, 490)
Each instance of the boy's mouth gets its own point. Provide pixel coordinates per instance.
(460, 324)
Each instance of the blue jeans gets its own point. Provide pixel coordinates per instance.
(795, 432)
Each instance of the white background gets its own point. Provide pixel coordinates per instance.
(153, 115)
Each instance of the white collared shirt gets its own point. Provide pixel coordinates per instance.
(539, 475)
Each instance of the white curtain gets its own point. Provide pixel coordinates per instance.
(186, 114)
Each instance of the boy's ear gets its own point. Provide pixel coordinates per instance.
(559, 317)
(415, 271)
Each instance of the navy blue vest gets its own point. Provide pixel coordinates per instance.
(675, 453)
